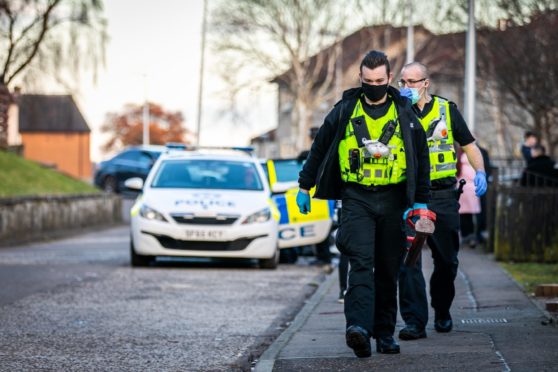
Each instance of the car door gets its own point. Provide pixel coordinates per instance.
(144, 163)
(295, 228)
(126, 166)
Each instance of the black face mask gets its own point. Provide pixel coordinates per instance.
(374, 92)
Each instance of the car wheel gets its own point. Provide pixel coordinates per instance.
(288, 255)
(109, 184)
(270, 263)
(138, 260)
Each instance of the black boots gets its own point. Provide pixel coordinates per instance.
(357, 338)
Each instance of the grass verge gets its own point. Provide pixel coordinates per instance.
(19, 176)
(529, 275)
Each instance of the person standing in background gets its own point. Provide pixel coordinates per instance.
(482, 216)
(469, 203)
(530, 139)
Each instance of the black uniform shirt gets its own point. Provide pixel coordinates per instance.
(376, 111)
(461, 134)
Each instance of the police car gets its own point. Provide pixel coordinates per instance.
(297, 229)
(204, 203)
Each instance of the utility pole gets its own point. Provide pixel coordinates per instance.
(202, 59)
(410, 33)
(470, 68)
(145, 113)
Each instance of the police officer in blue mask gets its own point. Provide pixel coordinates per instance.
(444, 127)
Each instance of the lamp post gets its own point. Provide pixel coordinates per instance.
(202, 60)
(145, 139)
(470, 68)
(410, 33)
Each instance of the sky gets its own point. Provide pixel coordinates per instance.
(154, 52)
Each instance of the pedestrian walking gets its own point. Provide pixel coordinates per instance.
(444, 127)
(371, 153)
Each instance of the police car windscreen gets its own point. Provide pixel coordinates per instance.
(287, 170)
(207, 174)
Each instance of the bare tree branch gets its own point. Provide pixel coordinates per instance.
(521, 59)
(31, 25)
(37, 42)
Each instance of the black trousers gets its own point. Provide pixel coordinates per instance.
(467, 224)
(444, 244)
(371, 236)
(343, 272)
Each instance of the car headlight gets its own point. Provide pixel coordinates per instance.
(260, 216)
(151, 214)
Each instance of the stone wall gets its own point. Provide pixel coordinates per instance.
(28, 218)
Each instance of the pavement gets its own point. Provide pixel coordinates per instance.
(497, 327)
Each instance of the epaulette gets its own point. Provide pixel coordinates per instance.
(450, 102)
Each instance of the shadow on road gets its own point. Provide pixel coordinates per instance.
(204, 263)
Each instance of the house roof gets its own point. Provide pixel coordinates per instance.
(50, 113)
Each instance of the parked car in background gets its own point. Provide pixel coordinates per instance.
(297, 229)
(131, 162)
(211, 203)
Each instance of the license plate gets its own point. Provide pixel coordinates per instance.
(203, 235)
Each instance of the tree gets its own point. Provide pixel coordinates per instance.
(46, 39)
(298, 44)
(126, 128)
(281, 36)
(520, 60)
(49, 37)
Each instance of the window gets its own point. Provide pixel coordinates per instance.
(145, 160)
(207, 174)
(287, 170)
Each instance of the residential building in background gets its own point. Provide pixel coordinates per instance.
(54, 133)
(444, 55)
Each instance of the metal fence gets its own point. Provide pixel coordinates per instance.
(522, 213)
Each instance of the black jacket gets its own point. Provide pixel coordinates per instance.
(540, 171)
(322, 165)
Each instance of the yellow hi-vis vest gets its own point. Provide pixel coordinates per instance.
(366, 169)
(443, 159)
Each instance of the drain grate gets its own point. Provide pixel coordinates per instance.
(484, 321)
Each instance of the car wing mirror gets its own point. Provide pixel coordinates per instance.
(134, 183)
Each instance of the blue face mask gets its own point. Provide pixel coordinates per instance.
(411, 93)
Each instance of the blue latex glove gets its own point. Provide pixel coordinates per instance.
(480, 183)
(410, 93)
(303, 202)
(415, 206)
(406, 92)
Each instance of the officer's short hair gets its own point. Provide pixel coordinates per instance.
(421, 66)
(373, 59)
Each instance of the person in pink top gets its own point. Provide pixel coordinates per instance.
(469, 203)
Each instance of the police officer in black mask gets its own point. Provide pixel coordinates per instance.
(371, 153)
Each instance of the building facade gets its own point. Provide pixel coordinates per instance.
(443, 54)
(54, 133)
